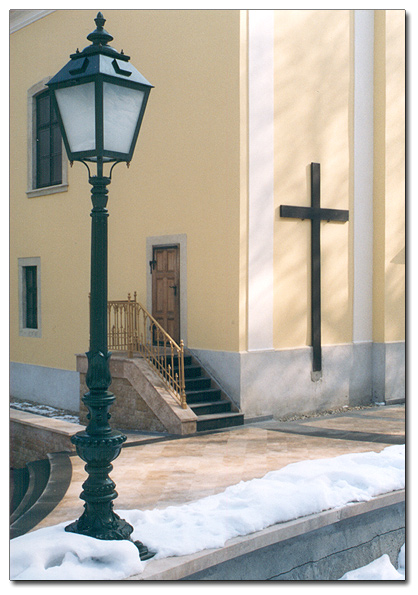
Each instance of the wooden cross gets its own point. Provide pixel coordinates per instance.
(315, 213)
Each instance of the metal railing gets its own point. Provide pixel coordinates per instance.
(131, 328)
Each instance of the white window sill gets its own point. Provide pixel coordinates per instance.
(47, 190)
(30, 332)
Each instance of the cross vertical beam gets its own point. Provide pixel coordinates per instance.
(316, 214)
(316, 270)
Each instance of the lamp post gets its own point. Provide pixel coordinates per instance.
(100, 99)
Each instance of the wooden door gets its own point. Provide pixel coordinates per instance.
(166, 289)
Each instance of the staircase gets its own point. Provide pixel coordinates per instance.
(131, 328)
(207, 400)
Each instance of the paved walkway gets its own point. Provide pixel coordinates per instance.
(155, 470)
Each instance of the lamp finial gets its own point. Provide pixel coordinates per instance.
(100, 20)
(100, 35)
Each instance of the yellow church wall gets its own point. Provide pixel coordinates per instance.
(189, 175)
(54, 228)
(389, 177)
(312, 107)
(183, 179)
(185, 174)
(395, 177)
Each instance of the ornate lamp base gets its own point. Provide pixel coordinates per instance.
(99, 520)
(115, 529)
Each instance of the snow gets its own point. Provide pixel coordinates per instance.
(297, 490)
(45, 410)
(379, 570)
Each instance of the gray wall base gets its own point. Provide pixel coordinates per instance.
(46, 386)
(281, 383)
(260, 383)
(389, 372)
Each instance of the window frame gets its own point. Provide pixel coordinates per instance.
(23, 263)
(32, 188)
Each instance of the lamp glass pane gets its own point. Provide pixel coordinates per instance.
(77, 108)
(121, 109)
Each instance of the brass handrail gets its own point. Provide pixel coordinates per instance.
(131, 328)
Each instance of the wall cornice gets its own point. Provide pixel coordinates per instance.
(20, 18)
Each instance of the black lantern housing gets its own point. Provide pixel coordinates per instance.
(100, 100)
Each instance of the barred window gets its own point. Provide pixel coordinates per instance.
(29, 297)
(47, 159)
(30, 313)
(48, 143)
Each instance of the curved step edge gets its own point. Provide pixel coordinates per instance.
(18, 486)
(38, 472)
(57, 485)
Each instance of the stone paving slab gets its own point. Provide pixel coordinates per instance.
(155, 471)
(380, 425)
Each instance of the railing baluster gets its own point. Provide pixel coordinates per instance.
(129, 327)
(145, 337)
(183, 402)
(172, 364)
(160, 361)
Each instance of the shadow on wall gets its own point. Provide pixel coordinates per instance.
(312, 124)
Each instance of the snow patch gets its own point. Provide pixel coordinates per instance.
(381, 569)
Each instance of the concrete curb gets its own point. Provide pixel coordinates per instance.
(205, 565)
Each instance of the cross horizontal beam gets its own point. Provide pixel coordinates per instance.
(313, 213)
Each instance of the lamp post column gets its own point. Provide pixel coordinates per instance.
(98, 375)
(99, 445)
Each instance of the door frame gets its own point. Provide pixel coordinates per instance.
(179, 240)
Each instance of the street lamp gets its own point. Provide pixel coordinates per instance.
(100, 99)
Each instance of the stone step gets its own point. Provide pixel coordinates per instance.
(188, 361)
(197, 383)
(211, 407)
(218, 421)
(192, 371)
(201, 396)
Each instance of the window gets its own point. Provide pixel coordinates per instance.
(48, 143)
(30, 314)
(29, 297)
(47, 160)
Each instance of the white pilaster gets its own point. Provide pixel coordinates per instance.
(261, 179)
(363, 175)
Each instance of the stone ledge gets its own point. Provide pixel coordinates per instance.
(180, 568)
(34, 437)
(58, 426)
